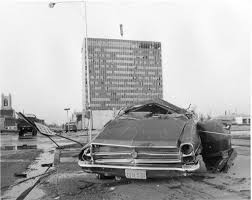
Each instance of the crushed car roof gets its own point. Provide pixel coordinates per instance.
(157, 101)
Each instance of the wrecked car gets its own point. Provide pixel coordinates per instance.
(156, 139)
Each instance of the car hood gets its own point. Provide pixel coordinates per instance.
(145, 132)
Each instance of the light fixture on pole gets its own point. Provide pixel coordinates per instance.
(51, 4)
(86, 106)
(67, 109)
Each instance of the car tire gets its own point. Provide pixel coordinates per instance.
(103, 177)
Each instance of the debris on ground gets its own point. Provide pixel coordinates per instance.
(20, 175)
(47, 165)
(111, 189)
(25, 146)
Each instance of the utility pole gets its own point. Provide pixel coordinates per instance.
(85, 68)
(88, 107)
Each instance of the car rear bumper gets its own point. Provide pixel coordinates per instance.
(117, 170)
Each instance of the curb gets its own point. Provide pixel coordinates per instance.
(56, 160)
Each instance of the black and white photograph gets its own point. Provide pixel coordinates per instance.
(125, 99)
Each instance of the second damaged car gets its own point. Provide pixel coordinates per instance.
(156, 139)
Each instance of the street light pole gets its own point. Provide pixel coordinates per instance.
(86, 105)
(68, 122)
(88, 76)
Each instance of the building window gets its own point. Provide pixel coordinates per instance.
(5, 102)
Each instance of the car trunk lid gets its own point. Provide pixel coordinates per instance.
(142, 133)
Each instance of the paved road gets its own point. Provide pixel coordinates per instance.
(16, 158)
(41, 141)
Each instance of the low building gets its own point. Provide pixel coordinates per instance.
(235, 119)
(100, 118)
(77, 118)
(227, 119)
(242, 120)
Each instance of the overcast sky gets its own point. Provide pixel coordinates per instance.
(205, 51)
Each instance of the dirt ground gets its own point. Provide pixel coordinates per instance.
(69, 182)
(15, 162)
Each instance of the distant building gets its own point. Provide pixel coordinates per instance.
(77, 118)
(238, 119)
(229, 119)
(7, 113)
(242, 120)
(121, 73)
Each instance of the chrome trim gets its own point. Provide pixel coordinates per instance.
(129, 153)
(121, 145)
(85, 152)
(184, 155)
(157, 161)
(138, 161)
(193, 167)
(226, 134)
(172, 156)
(91, 153)
(111, 153)
(122, 160)
(197, 148)
(159, 154)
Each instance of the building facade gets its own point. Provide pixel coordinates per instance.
(7, 114)
(242, 120)
(235, 119)
(122, 72)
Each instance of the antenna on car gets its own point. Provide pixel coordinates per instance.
(189, 106)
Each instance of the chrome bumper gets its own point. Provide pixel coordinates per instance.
(184, 168)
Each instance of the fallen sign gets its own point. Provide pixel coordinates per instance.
(47, 165)
(44, 130)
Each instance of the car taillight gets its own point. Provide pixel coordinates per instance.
(85, 154)
(186, 149)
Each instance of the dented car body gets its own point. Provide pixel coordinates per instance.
(154, 139)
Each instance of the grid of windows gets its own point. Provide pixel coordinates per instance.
(123, 71)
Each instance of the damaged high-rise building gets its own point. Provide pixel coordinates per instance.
(122, 72)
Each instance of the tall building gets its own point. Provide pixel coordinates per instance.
(123, 72)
